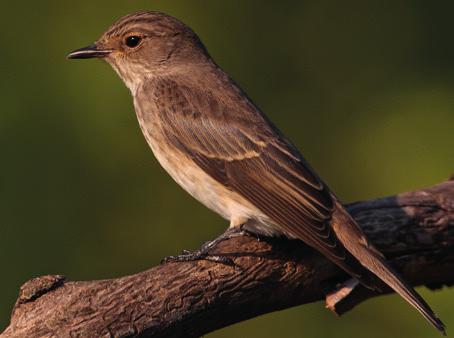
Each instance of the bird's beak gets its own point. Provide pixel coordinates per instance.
(92, 51)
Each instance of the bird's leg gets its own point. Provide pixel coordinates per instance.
(204, 251)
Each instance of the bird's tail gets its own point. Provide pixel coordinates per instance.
(353, 239)
(382, 270)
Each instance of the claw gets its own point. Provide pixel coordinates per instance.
(203, 252)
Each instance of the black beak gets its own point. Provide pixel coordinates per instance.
(89, 52)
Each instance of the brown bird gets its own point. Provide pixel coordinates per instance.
(216, 144)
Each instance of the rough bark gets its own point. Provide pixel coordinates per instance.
(415, 231)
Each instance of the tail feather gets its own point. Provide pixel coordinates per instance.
(387, 274)
(353, 239)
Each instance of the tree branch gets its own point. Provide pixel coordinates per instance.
(414, 230)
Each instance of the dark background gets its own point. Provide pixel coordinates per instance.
(364, 88)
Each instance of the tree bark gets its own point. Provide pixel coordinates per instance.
(188, 299)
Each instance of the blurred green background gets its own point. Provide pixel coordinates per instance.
(364, 88)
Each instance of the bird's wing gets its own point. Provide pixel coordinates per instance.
(237, 146)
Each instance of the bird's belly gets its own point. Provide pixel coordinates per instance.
(200, 185)
(229, 204)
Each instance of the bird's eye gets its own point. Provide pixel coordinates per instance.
(133, 41)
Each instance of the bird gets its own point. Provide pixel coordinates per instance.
(221, 148)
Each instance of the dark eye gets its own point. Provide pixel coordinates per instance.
(133, 41)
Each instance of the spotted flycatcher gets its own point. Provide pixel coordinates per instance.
(216, 144)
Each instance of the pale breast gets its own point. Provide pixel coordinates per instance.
(189, 176)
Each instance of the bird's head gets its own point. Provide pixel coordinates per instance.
(145, 44)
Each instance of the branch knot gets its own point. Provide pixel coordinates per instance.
(36, 287)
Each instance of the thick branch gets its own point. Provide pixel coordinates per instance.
(414, 230)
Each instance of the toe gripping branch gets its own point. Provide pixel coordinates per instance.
(204, 253)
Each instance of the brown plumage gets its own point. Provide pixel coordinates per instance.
(222, 149)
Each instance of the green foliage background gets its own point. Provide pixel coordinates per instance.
(364, 88)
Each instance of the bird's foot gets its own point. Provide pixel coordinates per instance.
(204, 252)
